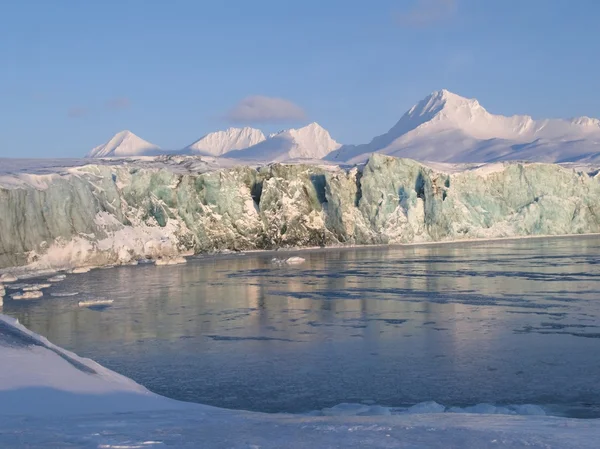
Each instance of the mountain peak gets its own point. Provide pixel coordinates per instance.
(313, 127)
(443, 101)
(122, 144)
(220, 142)
(309, 142)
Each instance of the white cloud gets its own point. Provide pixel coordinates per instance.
(261, 109)
(425, 13)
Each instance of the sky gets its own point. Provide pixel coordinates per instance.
(74, 73)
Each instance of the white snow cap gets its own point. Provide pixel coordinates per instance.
(445, 127)
(310, 142)
(125, 143)
(220, 142)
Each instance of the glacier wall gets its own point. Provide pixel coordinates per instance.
(113, 214)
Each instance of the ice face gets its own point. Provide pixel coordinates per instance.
(110, 214)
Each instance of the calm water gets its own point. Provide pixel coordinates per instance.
(501, 322)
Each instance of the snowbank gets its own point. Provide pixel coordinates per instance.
(50, 397)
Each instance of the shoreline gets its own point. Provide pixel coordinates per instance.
(23, 272)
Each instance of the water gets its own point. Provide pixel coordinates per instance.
(511, 322)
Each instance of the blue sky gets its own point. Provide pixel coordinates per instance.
(73, 73)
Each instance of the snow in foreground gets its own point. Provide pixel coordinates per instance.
(50, 398)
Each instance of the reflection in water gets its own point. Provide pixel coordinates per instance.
(502, 322)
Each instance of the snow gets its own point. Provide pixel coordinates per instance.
(310, 142)
(50, 397)
(220, 142)
(125, 143)
(446, 127)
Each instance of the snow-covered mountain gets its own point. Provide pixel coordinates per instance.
(220, 142)
(123, 144)
(446, 127)
(310, 142)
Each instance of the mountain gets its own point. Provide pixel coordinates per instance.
(220, 142)
(125, 143)
(446, 127)
(310, 142)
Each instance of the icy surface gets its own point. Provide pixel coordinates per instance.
(446, 127)
(77, 403)
(137, 209)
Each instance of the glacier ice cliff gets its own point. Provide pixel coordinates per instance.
(102, 214)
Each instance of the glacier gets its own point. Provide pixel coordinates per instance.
(119, 212)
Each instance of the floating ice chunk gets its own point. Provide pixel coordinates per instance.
(95, 302)
(18, 286)
(80, 270)
(289, 261)
(2, 291)
(36, 287)
(170, 261)
(529, 410)
(64, 294)
(28, 295)
(345, 409)
(349, 409)
(426, 407)
(57, 278)
(489, 409)
(8, 277)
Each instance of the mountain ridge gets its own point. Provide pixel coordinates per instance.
(308, 142)
(442, 127)
(446, 127)
(218, 143)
